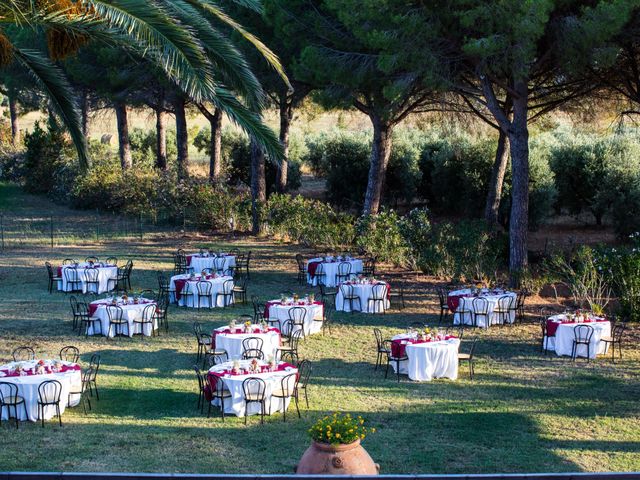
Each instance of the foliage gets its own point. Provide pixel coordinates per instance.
(144, 146)
(580, 272)
(379, 236)
(309, 222)
(339, 428)
(236, 159)
(44, 154)
(621, 267)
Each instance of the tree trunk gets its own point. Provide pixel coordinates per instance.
(519, 220)
(15, 123)
(380, 153)
(286, 116)
(182, 138)
(84, 112)
(161, 139)
(258, 185)
(215, 148)
(497, 180)
(124, 146)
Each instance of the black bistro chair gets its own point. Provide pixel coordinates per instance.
(615, 339)
(9, 398)
(349, 295)
(54, 278)
(49, 393)
(582, 335)
(254, 390)
(378, 298)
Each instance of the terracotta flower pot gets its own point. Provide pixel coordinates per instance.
(326, 459)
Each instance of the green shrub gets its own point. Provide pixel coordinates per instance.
(236, 159)
(308, 222)
(379, 236)
(45, 153)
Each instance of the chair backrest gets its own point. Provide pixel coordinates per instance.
(204, 288)
(115, 313)
(297, 314)
(344, 268)
(288, 384)
(442, 296)
(148, 312)
(87, 376)
(49, 392)
(94, 365)
(200, 377)
(92, 259)
(378, 334)
(220, 263)
(618, 331)
(49, 269)
(506, 302)
(521, 298)
(8, 392)
(295, 339)
(304, 372)
(70, 354)
(91, 274)
(71, 274)
(23, 353)
(480, 306)
(207, 271)
(253, 353)
(197, 329)
(289, 356)
(73, 301)
(379, 291)
(583, 333)
(68, 261)
(254, 388)
(346, 290)
(227, 287)
(112, 260)
(252, 343)
(82, 309)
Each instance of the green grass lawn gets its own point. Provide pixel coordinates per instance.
(523, 412)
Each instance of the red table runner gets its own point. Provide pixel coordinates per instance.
(47, 370)
(552, 325)
(398, 349)
(181, 282)
(312, 267)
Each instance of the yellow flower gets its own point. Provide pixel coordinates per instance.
(337, 435)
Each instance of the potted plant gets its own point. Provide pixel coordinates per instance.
(335, 448)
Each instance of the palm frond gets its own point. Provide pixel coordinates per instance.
(173, 45)
(229, 65)
(250, 122)
(271, 58)
(59, 91)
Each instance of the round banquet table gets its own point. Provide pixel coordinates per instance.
(236, 405)
(107, 275)
(230, 341)
(464, 299)
(427, 359)
(71, 380)
(199, 262)
(184, 282)
(131, 311)
(562, 343)
(363, 291)
(275, 310)
(331, 270)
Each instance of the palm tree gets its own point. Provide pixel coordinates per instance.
(196, 55)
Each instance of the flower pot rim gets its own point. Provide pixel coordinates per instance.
(339, 447)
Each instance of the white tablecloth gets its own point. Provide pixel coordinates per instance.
(467, 303)
(235, 405)
(28, 389)
(562, 344)
(232, 342)
(331, 270)
(192, 286)
(130, 311)
(364, 292)
(281, 313)
(436, 359)
(199, 263)
(104, 275)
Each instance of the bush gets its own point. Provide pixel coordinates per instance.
(309, 222)
(621, 269)
(45, 153)
(379, 236)
(236, 159)
(144, 149)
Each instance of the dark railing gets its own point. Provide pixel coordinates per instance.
(182, 476)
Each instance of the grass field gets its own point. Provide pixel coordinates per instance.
(523, 412)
